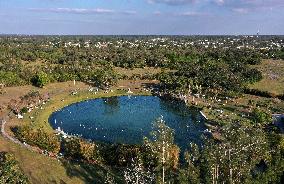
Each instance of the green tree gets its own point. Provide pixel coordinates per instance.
(232, 159)
(10, 78)
(166, 152)
(38, 137)
(105, 77)
(261, 117)
(191, 173)
(77, 148)
(40, 79)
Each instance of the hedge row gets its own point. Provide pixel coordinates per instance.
(75, 148)
(81, 150)
(118, 155)
(38, 137)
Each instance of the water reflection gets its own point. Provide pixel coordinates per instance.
(111, 105)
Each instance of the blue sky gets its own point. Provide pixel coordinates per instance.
(100, 17)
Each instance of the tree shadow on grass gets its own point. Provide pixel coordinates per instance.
(86, 172)
(89, 173)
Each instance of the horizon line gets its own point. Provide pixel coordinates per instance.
(12, 34)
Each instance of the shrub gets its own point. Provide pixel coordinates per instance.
(38, 137)
(40, 79)
(10, 78)
(10, 172)
(261, 117)
(79, 149)
(24, 110)
(71, 148)
(120, 155)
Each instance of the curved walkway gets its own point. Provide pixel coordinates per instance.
(10, 138)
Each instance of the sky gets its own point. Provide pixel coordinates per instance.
(142, 17)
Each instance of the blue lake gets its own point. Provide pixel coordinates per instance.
(127, 119)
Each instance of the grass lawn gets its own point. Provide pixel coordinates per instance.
(44, 170)
(39, 168)
(273, 76)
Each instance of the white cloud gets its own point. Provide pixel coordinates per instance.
(157, 13)
(172, 2)
(83, 11)
(240, 10)
(129, 12)
(220, 2)
(74, 10)
(190, 13)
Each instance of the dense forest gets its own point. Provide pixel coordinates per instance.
(25, 60)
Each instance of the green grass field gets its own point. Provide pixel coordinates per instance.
(273, 77)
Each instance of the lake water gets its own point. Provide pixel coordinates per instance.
(127, 119)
